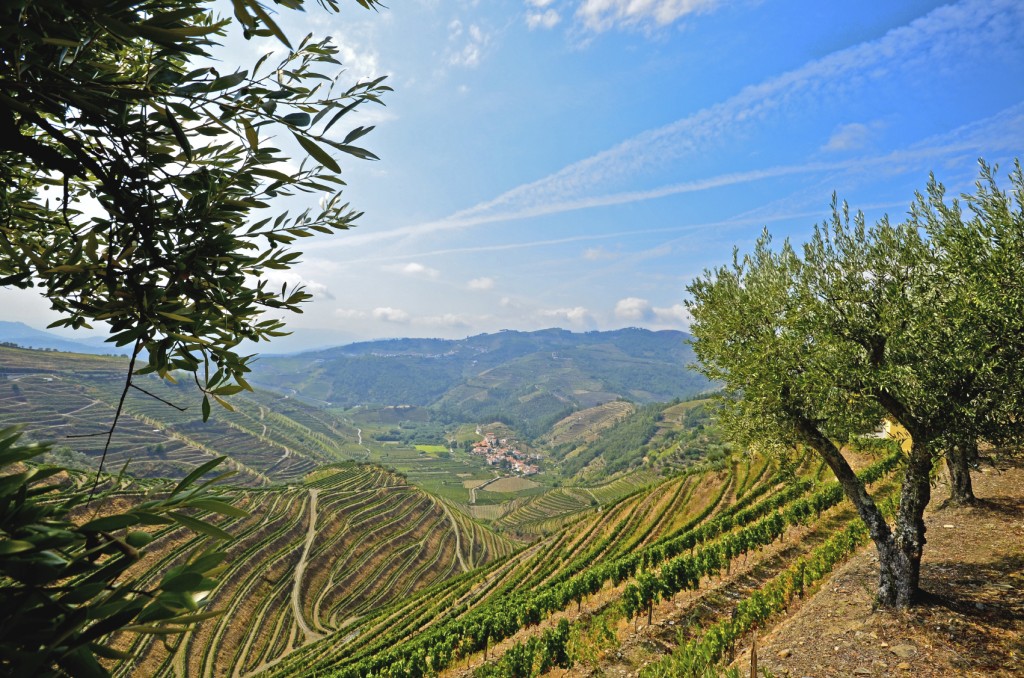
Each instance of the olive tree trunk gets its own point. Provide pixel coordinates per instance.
(899, 547)
(959, 458)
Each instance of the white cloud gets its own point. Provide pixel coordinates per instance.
(936, 37)
(633, 308)
(360, 62)
(1003, 131)
(540, 4)
(508, 302)
(472, 43)
(391, 315)
(481, 283)
(601, 15)
(413, 269)
(576, 315)
(848, 137)
(672, 315)
(349, 314)
(547, 19)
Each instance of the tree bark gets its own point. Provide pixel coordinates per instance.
(959, 458)
(899, 549)
(899, 560)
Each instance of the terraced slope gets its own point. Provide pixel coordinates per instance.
(309, 561)
(268, 439)
(672, 535)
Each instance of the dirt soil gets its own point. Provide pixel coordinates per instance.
(970, 622)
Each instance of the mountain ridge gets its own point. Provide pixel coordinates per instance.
(527, 379)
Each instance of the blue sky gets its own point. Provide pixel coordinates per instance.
(575, 163)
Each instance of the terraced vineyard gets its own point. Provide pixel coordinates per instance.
(310, 561)
(617, 563)
(55, 395)
(416, 567)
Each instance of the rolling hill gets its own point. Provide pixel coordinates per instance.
(529, 380)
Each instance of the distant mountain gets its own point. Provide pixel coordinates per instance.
(28, 337)
(527, 379)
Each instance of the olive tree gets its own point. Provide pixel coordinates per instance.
(138, 178)
(138, 184)
(817, 346)
(979, 252)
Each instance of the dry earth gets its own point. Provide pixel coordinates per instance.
(970, 623)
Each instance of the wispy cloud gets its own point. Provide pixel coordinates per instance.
(447, 321)
(598, 254)
(852, 136)
(577, 316)
(293, 279)
(602, 15)
(547, 19)
(481, 283)
(935, 37)
(467, 44)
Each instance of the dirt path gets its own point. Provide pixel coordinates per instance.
(300, 570)
(458, 537)
(472, 490)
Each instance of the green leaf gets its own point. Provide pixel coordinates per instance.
(197, 472)
(11, 546)
(317, 152)
(251, 135)
(200, 526)
(182, 583)
(254, 5)
(297, 119)
(218, 506)
(179, 134)
(228, 81)
(111, 523)
(175, 316)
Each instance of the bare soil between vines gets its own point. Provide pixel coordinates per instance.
(969, 623)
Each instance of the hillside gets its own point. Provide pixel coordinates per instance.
(642, 543)
(307, 561)
(609, 438)
(578, 593)
(70, 399)
(527, 379)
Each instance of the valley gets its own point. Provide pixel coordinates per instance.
(379, 540)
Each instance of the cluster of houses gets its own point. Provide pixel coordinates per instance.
(502, 452)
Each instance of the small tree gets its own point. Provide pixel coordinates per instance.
(868, 322)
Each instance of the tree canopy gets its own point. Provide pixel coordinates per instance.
(139, 178)
(919, 322)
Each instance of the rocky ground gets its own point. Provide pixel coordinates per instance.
(971, 622)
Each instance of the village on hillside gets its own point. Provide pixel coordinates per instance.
(503, 452)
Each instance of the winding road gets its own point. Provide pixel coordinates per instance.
(300, 570)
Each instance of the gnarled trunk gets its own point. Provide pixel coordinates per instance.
(900, 547)
(899, 556)
(959, 458)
